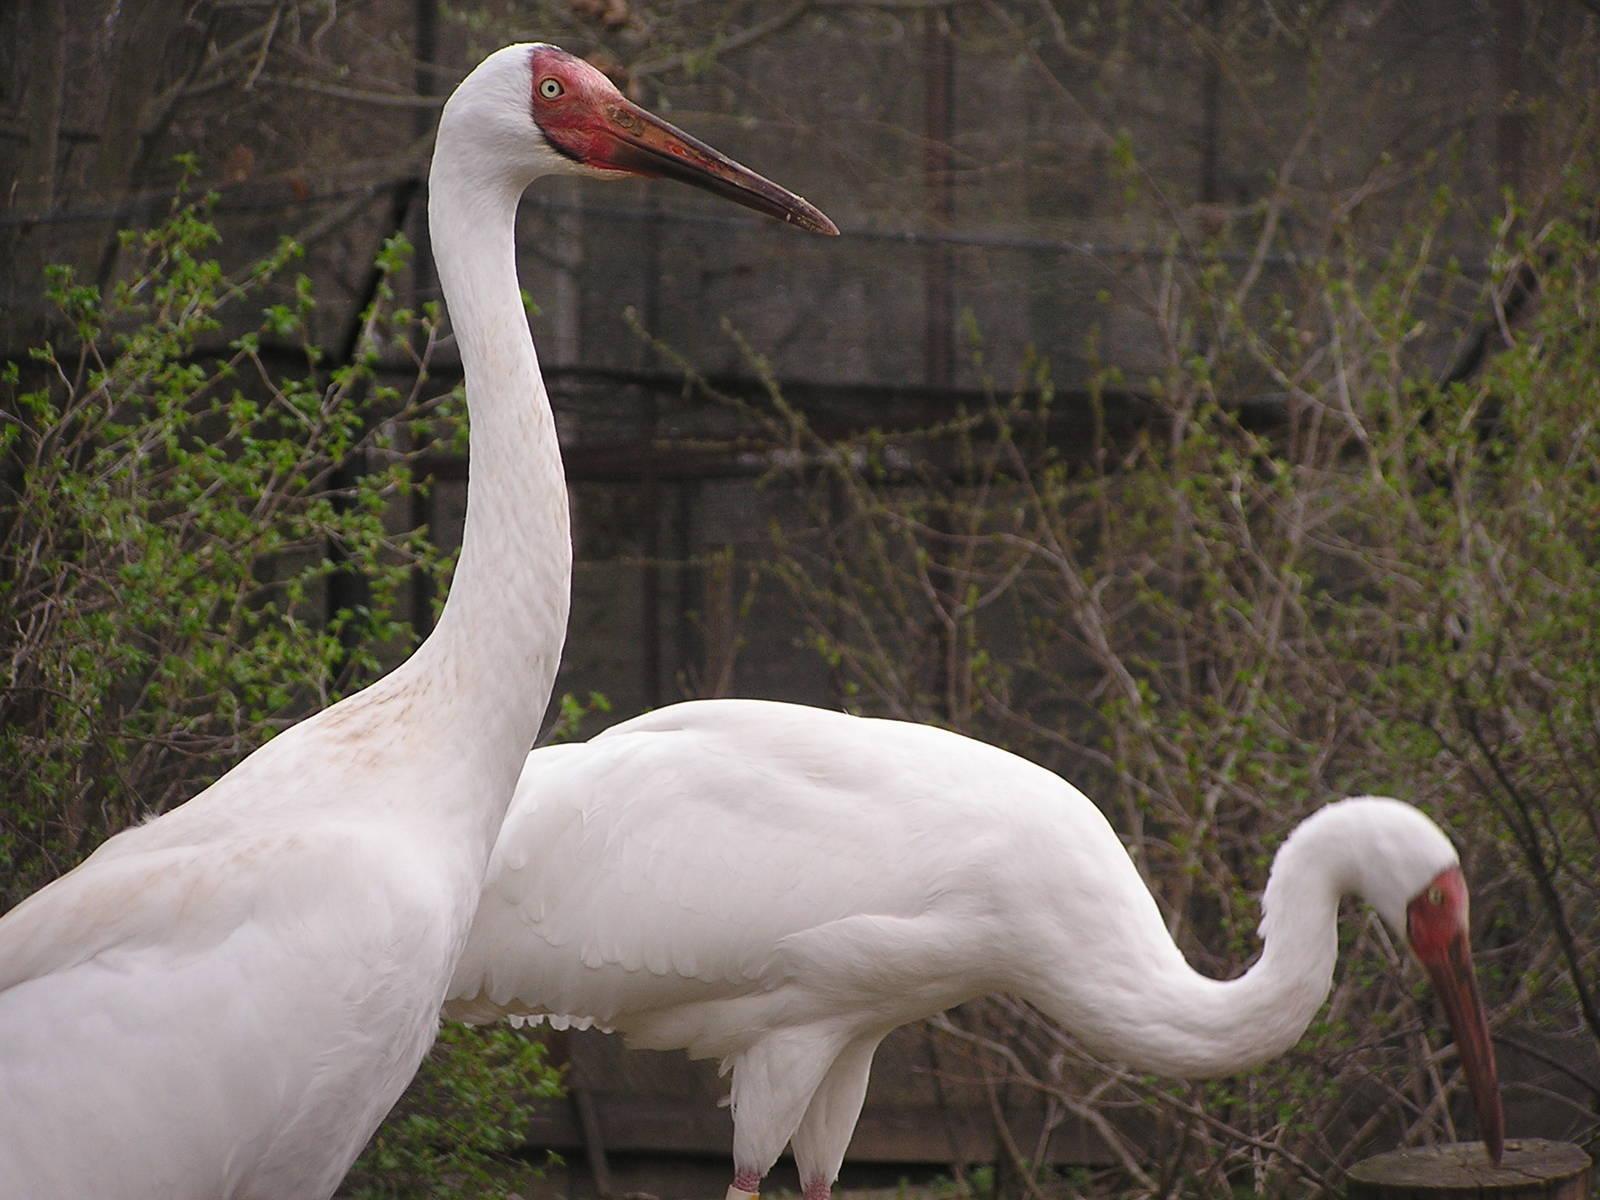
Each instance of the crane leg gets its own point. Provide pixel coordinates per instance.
(773, 1083)
(825, 1130)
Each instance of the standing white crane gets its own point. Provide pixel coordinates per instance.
(223, 1003)
(778, 887)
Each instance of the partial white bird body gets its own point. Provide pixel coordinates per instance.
(689, 856)
(779, 886)
(221, 1004)
(226, 1000)
(278, 1036)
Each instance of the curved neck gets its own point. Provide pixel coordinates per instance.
(1143, 1004)
(491, 660)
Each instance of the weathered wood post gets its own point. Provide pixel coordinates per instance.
(1532, 1169)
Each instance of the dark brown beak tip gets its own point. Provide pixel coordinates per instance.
(812, 220)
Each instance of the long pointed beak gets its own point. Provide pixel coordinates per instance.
(644, 144)
(1451, 972)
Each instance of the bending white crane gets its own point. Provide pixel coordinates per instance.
(224, 1002)
(778, 887)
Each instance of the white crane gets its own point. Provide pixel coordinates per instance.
(222, 1004)
(778, 887)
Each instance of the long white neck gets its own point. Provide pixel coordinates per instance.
(1134, 998)
(486, 672)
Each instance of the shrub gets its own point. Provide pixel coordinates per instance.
(174, 513)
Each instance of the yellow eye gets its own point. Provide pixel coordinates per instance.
(1435, 896)
(550, 87)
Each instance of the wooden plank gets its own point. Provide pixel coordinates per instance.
(1532, 1169)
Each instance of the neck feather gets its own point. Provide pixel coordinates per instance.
(490, 663)
(1142, 1003)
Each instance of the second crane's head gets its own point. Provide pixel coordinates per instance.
(1436, 929)
(1404, 866)
(537, 110)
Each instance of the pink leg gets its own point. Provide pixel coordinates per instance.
(745, 1184)
(818, 1189)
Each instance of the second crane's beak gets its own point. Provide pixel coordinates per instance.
(1438, 933)
(627, 138)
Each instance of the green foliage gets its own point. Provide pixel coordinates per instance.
(172, 518)
(173, 514)
(461, 1120)
(572, 714)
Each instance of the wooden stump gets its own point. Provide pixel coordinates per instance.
(1532, 1169)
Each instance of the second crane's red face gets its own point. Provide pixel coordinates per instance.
(586, 119)
(1436, 925)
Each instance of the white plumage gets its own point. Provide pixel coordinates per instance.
(221, 1004)
(778, 886)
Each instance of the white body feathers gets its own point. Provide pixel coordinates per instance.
(778, 886)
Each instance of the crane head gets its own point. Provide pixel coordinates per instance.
(1399, 861)
(1436, 928)
(599, 131)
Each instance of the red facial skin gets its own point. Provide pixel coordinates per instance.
(584, 117)
(574, 122)
(1436, 924)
